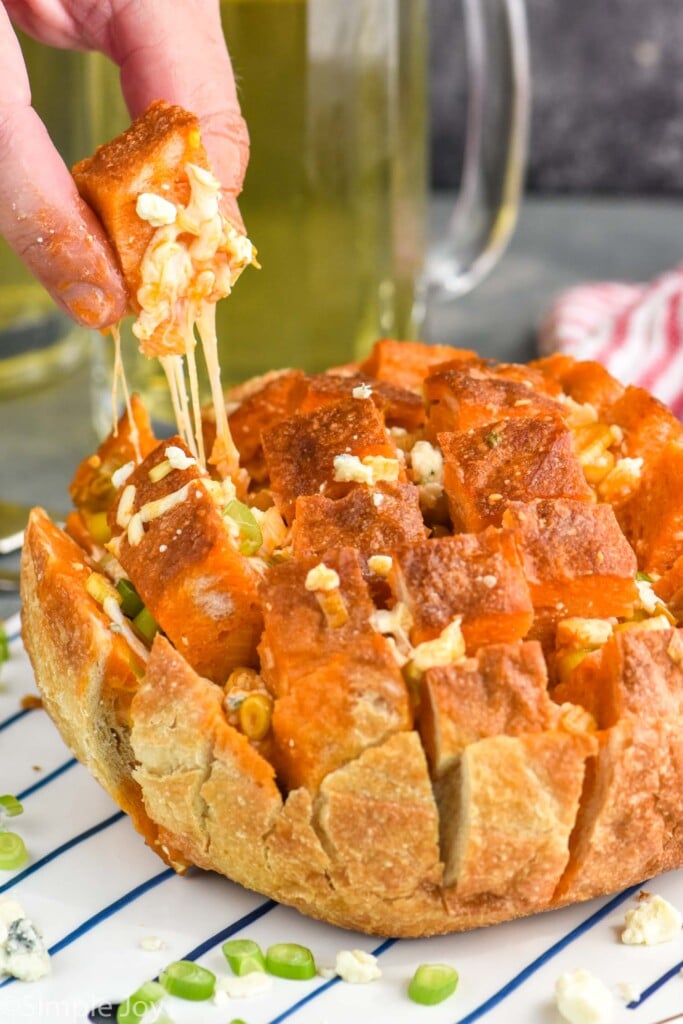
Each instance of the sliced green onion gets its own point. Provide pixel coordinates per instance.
(432, 983)
(12, 851)
(4, 643)
(131, 602)
(145, 623)
(249, 531)
(289, 960)
(643, 577)
(97, 526)
(10, 806)
(188, 980)
(135, 1008)
(244, 956)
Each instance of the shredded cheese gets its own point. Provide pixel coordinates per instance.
(322, 578)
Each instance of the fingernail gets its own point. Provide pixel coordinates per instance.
(90, 305)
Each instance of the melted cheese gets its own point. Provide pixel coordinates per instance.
(193, 259)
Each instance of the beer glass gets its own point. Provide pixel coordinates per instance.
(334, 93)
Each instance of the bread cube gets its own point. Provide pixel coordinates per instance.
(637, 673)
(150, 156)
(329, 717)
(469, 397)
(476, 576)
(172, 541)
(507, 812)
(626, 827)
(300, 451)
(510, 460)
(502, 690)
(407, 363)
(378, 815)
(373, 521)
(576, 559)
(652, 518)
(305, 627)
(337, 685)
(274, 400)
(584, 381)
(646, 422)
(92, 488)
(202, 780)
(400, 406)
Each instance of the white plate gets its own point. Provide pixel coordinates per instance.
(96, 891)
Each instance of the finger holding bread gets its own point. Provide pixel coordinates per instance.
(181, 57)
(42, 216)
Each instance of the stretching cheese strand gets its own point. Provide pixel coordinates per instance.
(181, 283)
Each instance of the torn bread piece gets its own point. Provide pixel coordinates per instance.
(153, 189)
(170, 535)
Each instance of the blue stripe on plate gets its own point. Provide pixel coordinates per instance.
(59, 850)
(112, 909)
(47, 779)
(655, 986)
(226, 932)
(547, 955)
(383, 946)
(16, 717)
(104, 913)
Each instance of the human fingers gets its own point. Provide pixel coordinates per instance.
(41, 214)
(181, 57)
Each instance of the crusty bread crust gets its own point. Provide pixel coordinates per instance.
(87, 674)
(363, 851)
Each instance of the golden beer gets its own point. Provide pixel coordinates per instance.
(334, 95)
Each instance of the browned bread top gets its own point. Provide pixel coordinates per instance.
(433, 693)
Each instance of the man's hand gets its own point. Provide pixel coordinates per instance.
(169, 51)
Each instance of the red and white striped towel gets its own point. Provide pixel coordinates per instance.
(634, 330)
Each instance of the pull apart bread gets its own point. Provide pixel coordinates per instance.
(409, 659)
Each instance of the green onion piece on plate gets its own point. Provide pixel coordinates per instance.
(4, 643)
(146, 625)
(131, 602)
(289, 960)
(244, 956)
(432, 983)
(136, 1007)
(250, 537)
(188, 980)
(10, 807)
(12, 851)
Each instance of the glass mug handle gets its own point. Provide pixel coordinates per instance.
(494, 159)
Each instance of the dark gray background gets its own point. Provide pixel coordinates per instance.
(608, 95)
